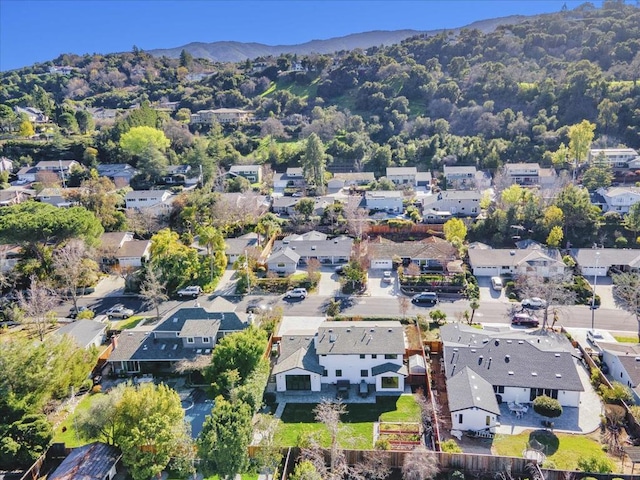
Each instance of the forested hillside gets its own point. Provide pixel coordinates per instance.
(467, 98)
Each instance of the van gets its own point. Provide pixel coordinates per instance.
(428, 298)
(496, 283)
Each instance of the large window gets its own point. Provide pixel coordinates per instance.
(536, 392)
(390, 356)
(390, 382)
(298, 382)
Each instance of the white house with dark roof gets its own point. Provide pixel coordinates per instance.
(355, 352)
(464, 203)
(119, 173)
(599, 261)
(120, 248)
(623, 361)
(431, 253)
(284, 205)
(86, 333)
(529, 174)
(311, 245)
(460, 177)
(253, 173)
(489, 262)
(283, 261)
(156, 201)
(619, 199)
(387, 200)
(519, 366)
(236, 247)
(355, 178)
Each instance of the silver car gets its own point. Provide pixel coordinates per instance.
(119, 311)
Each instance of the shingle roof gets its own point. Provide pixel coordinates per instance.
(355, 176)
(145, 194)
(133, 248)
(586, 257)
(471, 390)
(237, 246)
(82, 331)
(458, 170)
(229, 321)
(113, 239)
(282, 254)
(431, 248)
(297, 351)
(511, 257)
(89, 462)
(384, 194)
(339, 246)
(388, 368)
(144, 346)
(349, 338)
(401, 171)
(200, 328)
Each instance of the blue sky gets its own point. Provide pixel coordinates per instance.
(37, 31)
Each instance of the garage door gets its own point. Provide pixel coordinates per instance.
(382, 264)
(486, 271)
(298, 382)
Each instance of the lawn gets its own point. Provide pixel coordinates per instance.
(563, 449)
(68, 436)
(127, 323)
(624, 339)
(357, 431)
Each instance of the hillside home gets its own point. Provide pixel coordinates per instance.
(119, 248)
(6, 165)
(196, 77)
(355, 179)
(292, 178)
(183, 335)
(460, 177)
(86, 333)
(623, 361)
(157, 201)
(62, 70)
(119, 173)
(601, 261)
(238, 246)
(221, 115)
(10, 255)
(56, 196)
(350, 352)
(382, 200)
(33, 114)
(62, 168)
(518, 366)
(27, 174)
(284, 205)
(94, 461)
(535, 261)
(617, 158)
(100, 113)
(432, 253)
(253, 173)
(619, 199)
(408, 176)
(529, 175)
(462, 203)
(13, 197)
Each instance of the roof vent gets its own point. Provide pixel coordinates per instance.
(293, 248)
(372, 330)
(512, 252)
(497, 342)
(558, 375)
(534, 374)
(163, 346)
(557, 355)
(637, 359)
(507, 358)
(473, 350)
(335, 240)
(520, 342)
(313, 247)
(486, 340)
(175, 319)
(510, 372)
(175, 346)
(348, 330)
(332, 338)
(509, 342)
(391, 330)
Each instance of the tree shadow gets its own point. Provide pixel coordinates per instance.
(547, 438)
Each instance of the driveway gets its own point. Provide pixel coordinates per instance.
(227, 284)
(604, 289)
(378, 288)
(488, 294)
(329, 282)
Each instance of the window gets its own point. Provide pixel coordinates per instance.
(324, 372)
(205, 340)
(338, 373)
(536, 392)
(190, 340)
(487, 420)
(498, 388)
(281, 265)
(459, 418)
(374, 356)
(364, 373)
(362, 355)
(390, 356)
(389, 382)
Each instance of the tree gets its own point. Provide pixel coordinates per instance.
(98, 195)
(328, 412)
(626, 288)
(313, 162)
(84, 121)
(305, 207)
(99, 421)
(357, 218)
(403, 305)
(38, 304)
(268, 225)
(420, 464)
(455, 231)
(554, 239)
(474, 303)
(580, 138)
(29, 439)
(212, 239)
(151, 423)
(580, 215)
(176, 263)
(225, 436)
(554, 290)
(238, 184)
(594, 464)
(438, 316)
(599, 175)
(632, 219)
(152, 164)
(305, 470)
(74, 268)
(547, 406)
(140, 139)
(153, 291)
(26, 129)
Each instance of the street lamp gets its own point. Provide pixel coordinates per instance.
(593, 298)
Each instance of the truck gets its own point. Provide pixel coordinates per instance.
(191, 291)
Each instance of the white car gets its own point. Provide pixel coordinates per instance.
(496, 283)
(296, 293)
(191, 291)
(534, 303)
(386, 277)
(119, 311)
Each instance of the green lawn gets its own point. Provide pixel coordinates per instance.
(127, 323)
(563, 449)
(357, 431)
(69, 437)
(625, 339)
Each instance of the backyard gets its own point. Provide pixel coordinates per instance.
(65, 432)
(357, 424)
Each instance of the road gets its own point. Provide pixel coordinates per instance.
(314, 305)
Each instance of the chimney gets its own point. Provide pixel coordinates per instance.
(114, 341)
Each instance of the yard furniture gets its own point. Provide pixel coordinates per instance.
(364, 389)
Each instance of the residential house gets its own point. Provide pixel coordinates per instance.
(6, 165)
(119, 248)
(284, 261)
(100, 113)
(196, 77)
(284, 205)
(184, 335)
(119, 173)
(351, 352)
(56, 196)
(62, 70)
(463, 203)
(529, 175)
(244, 203)
(623, 361)
(432, 253)
(27, 174)
(33, 114)
(221, 115)
(617, 158)
(518, 366)
(619, 199)
(385, 200)
(310, 245)
(253, 173)
(94, 461)
(13, 197)
(155, 201)
(62, 168)
(355, 179)
(460, 177)
(292, 178)
(86, 333)
(601, 261)
(409, 176)
(236, 247)
(10, 255)
(489, 262)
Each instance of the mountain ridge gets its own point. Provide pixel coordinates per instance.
(234, 51)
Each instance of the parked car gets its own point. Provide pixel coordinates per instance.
(524, 319)
(496, 283)
(426, 298)
(76, 311)
(386, 277)
(258, 308)
(340, 270)
(594, 335)
(191, 291)
(119, 311)
(296, 293)
(534, 303)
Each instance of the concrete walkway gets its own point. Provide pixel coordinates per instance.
(227, 284)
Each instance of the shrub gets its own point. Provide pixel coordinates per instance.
(96, 389)
(595, 464)
(253, 388)
(547, 406)
(382, 444)
(450, 446)
(621, 242)
(334, 308)
(635, 411)
(617, 393)
(456, 475)
(86, 315)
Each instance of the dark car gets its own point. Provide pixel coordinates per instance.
(76, 311)
(425, 298)
(340, 270)
(258, 308)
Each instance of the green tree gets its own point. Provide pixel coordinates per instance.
(152, 164)
(68, 122)
(547, 406)
(455, 230)
(268, 225)
(26, 129)
(211, 238)
(595, 464)
(580, 215)
(186, 59)
(99, 195)
(225, 436)
(632, 219)
(32, 434)
(599, 175)
(555, 237)
(313, 162)
(155, 424)
(626, 287)
(100, 420)
(305, 470)
(140, 139)
(238, 184)
(176, 263)
(560, 157)
(438, 316)
(74, 268)
(84, 121)
(305, 207)
(580, 138)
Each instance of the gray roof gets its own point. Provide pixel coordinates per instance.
(500, 257)
(511, 360)
(200, 328)
(133, 248)
(237, 246)
(145, 194)
(89, 462)
(174, 322)
(282, 202)
(297, 351)
(351, 338)
(384, 194)
(628, 355)
(83, 332)
(586, 257)
(389, 368)
(459, 170)
(401, 171)
(471, 390)
(283, 254)
(355, 176)
(311, 235)
(337, 247)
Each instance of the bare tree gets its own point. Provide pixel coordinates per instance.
(269, 455)
(626, 288)
(313, 265)
(373, 467)
(357, 218)
(420, 464)
(38, 304)
(153, 291)
(555, 290)
(329, 412)
(403, 305)
(72, 266)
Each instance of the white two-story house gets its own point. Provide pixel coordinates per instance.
(464, 203)
(541, 262)
(156, 201)
(389, 201)
(370, 353)
(529, 174)
(619, 199)
(253, 173)
(617, 158)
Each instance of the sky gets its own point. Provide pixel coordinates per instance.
(38, 31)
